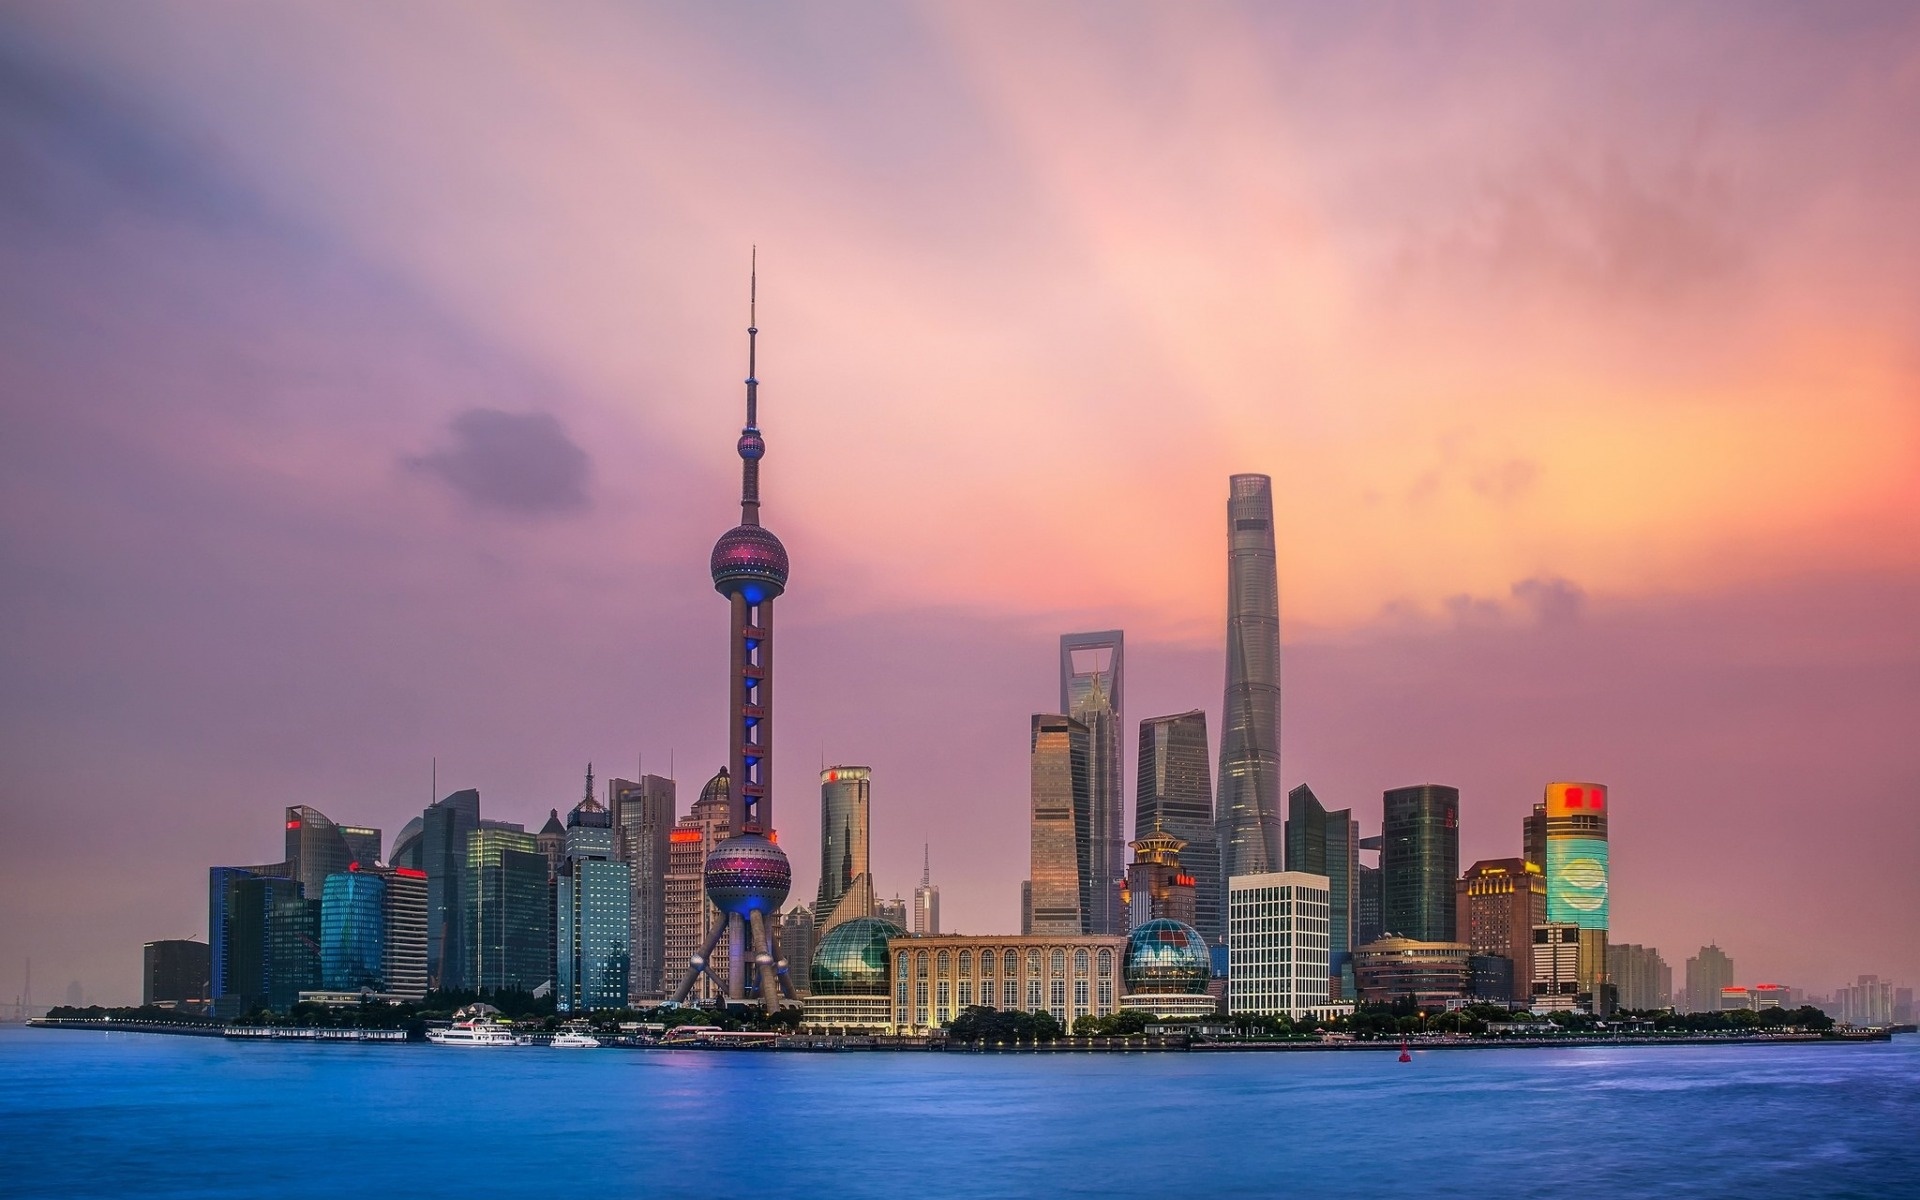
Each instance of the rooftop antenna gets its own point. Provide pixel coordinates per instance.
(589, 799)
(433, 783)
(926, 865)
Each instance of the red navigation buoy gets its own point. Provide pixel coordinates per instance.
(1404, 1056)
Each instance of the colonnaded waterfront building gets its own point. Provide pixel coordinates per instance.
(1069, 977)
(1277, 951)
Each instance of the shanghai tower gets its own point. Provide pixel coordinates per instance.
(747, 876)
(1248, 807)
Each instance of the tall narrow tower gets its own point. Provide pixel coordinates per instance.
(1092, 692)
(747, 876)
(1248, 810)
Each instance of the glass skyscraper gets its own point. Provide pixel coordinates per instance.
(239, 907)
(504, 890)
(1328, 843)
(1248, 809)
(444, 827)
(1419, 862)
(1175, 793)
(1578, 874)
(595, 899)
(1092, 687)
(1060, 799)
(643, 817)
(353, 931)
(846, 797)
(316, 848)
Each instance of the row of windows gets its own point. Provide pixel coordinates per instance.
(942, 962)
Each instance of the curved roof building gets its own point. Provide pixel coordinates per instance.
(1167, 958)
(849, 980)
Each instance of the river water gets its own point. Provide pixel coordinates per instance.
(86, 1114)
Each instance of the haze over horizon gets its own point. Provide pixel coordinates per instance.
(371, 378)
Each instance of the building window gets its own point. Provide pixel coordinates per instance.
(1033, 962)
(944, 999)
(966, 993)
(1106, 994)
(1033, 995)
(1059, 962)
(943, 965)
(1106, 964)
(1079, 997)
(1057, 996)
(920, 965)
(1009, 995)
(1080, 961)
(966, 962)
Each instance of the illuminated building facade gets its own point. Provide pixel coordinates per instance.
(1092, 682)
(1500, 901)
(404, 944)
(594, 905)
(1174, 795)
(690, 919)
(1557, 968)
(1278, 933)
(644, 813)
(1158, 886)
(1328, 843)
(1248, 808)
(1419, 862)
(1577, 876)
(1166, 971)
(846, 830)
(1397, 968)
(508, 917)
(849, 981)
(353, 921)
(747, 876)
(936, 977)
(1060, 794)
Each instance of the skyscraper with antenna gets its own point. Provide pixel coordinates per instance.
(926, 898)
(747, 876)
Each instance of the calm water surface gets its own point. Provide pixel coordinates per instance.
(97, 1114)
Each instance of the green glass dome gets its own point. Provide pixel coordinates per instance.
(852, 959)
(1167, 958)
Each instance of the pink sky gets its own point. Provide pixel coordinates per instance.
(1581, 346)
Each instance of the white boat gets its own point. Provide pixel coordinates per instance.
(572, 1040)
(474, 1033)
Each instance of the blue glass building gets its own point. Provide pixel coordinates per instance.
(353, 931)
(594, 914)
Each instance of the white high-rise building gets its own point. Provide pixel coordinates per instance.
(1277, 929)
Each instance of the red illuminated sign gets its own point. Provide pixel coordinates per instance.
(1565, 798)
(1184, 881)
(409, 873)
(684, 836)
(293, 824)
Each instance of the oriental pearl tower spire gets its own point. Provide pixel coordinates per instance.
(747, 876)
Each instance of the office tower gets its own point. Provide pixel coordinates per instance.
(315, 848)
(404, 966)
(594, 904)
(1395, 969)
(1278, 931)
(363, 844)
(444, 827)
(1500, 901)
(1557, 967)
(353, 921)
(236, 931)
(1642, 978)
(293, 941)
(895, 911)
(1092, 682)
(1159, 887)
(644, 814)
(1026, 907)
(1328, 843)
(1060, 797)
(1369, 922)
(175, 972)
(690, 920)
(1248, 809)
(1419, 861)
(1533, 834)
(797, 931)
(846, 795)
(926, 898)
(406, 846)
(508, 918)
(1734, 998)
(748, 875)
(1707, 972)
(1175, 795)
(552, 840)
(1577, 875)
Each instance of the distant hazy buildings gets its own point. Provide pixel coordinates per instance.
(1419, 862)
(895, 912)
(1642, 979)
(1278, 933)
(1248, 809)
(1707, 972)
(1500, 902)
(644, 813)
(1061, 796)
(175, 973)
(1092, 681)
(846, 830)
(926, 899)
(1577, 875)
(1868, 1001)
(797, 935)
(1174, 795)
(1328, 844)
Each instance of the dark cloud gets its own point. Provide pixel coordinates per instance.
(1552, 601)
(511, 462)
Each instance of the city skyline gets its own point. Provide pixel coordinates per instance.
(315, 498)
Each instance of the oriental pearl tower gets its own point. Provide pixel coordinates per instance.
(747, 876)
